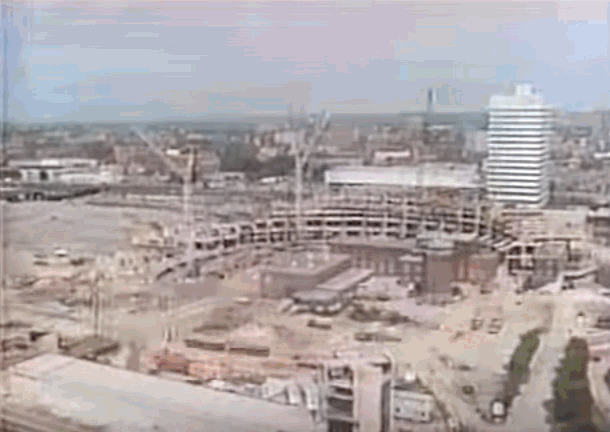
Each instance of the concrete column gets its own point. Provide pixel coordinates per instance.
(384, 224)
(401, 229)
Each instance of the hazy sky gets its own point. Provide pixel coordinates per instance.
(144, 60)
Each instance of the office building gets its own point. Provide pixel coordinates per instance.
(518, 148)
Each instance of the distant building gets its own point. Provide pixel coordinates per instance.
(476, 141)
(65, 170)
(221, 180)
(518, 145)
(428, 176)
(390, 157)
(329, 160)
(598, 226)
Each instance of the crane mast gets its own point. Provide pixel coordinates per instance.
(187, 193)
(192, 270)
(301, 156)
(188, 180)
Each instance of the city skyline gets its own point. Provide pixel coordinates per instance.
(186, 59)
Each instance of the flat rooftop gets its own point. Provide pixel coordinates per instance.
(346, 279)
(98, 394)
(316, 295)
(310, 262)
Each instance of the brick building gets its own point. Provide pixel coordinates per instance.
(432, 265)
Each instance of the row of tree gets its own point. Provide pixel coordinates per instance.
(573, 403)
(519, 367)
(238, 156)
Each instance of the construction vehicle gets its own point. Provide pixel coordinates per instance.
(495, 326)
(320, 323)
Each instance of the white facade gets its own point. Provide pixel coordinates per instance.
(428, 175)
(518, 146)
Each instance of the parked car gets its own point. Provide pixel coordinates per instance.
(476, 324)
(364, 336)
(495, 326)
(320, 323)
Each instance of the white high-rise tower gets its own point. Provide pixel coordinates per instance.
(518, 143)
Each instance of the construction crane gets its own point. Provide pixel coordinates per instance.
(302, 151)
(188, 179)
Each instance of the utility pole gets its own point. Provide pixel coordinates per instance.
(189, 180)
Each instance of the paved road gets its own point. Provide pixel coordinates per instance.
(528, 412)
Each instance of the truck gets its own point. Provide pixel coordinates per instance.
(320, 323)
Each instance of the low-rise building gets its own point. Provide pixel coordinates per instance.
(432, 265)
(332, 295)
(67, 170)
(413, 403)
(92, 393)
(598, 226)
(291, 272)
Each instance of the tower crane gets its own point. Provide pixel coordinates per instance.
(302, 151)
(188, 179)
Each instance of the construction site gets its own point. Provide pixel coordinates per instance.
(397, 305)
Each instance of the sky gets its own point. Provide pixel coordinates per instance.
(143, 60)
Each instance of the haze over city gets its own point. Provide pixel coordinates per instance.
(305, 216)
(101, 61)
